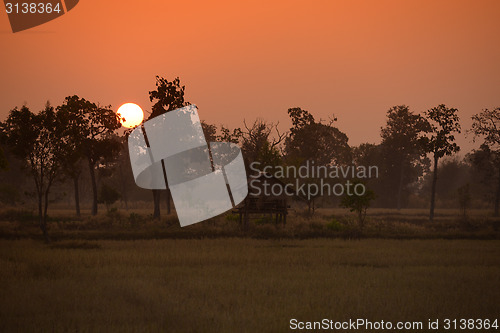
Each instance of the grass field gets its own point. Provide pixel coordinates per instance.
(248, 285)
(325, 223)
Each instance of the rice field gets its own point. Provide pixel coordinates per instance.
(241, 284)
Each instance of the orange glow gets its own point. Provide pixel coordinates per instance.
(354, 59)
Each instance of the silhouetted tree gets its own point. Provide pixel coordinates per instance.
(123, 175)
(454, 173)
(464, 199)
(223, 135)
(209, 130)
(12, 177)
(260, 143)
(3, 160)
(90, 128)
(358, 203)
(403, 149)
(368, 155)
(72, 156)
(316, 142)
(310, 140)
(35, 138)
(486, 124)
(486, 164)
(108, 196)
(444, 124)
(168, 96)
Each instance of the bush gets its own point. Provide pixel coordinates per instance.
(316, 225)
(113, 215)
(108, 195)
(334, 225)
(233, 217)
(135, 219)
(9, 195)
(16, 215)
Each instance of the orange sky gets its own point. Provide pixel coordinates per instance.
(239, 60)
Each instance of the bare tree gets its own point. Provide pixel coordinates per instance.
(261, 142)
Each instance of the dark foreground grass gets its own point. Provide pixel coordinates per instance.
(248, 285)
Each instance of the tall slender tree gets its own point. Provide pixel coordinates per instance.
(72, 157)
(168, 96)
(444, 123)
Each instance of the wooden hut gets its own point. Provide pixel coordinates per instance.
(266, 197)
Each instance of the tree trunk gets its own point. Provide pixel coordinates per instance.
(41, 220)
(156, 202)
(45, 231)
(124, 187)
(169, 194)
(400, 186)
(94, 188)
(42, 216)
(246, 216)
(497, 195)
(125, 200)
(433, 190)
(169, 197)
(77, 196)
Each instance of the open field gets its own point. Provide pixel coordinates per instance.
(249, 285)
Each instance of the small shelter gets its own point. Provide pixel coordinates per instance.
(266, 196)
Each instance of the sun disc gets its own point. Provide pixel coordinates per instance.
(132, 115)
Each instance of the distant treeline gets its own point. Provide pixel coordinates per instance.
(76, 148)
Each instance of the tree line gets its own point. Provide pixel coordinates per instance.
(58, 144)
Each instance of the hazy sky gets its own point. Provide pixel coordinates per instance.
(354, 59)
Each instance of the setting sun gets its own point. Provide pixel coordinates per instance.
(131, 113)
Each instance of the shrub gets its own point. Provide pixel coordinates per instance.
(232, 217)
(135, 219)
(108, 195)
(358, 203)
(334, 225)
(9, 195)
(17, 215)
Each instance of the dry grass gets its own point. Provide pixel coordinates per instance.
(331, 223)
(249, 285)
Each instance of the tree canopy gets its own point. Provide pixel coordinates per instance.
(89, 132)
(311, 140)
(403, 152)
